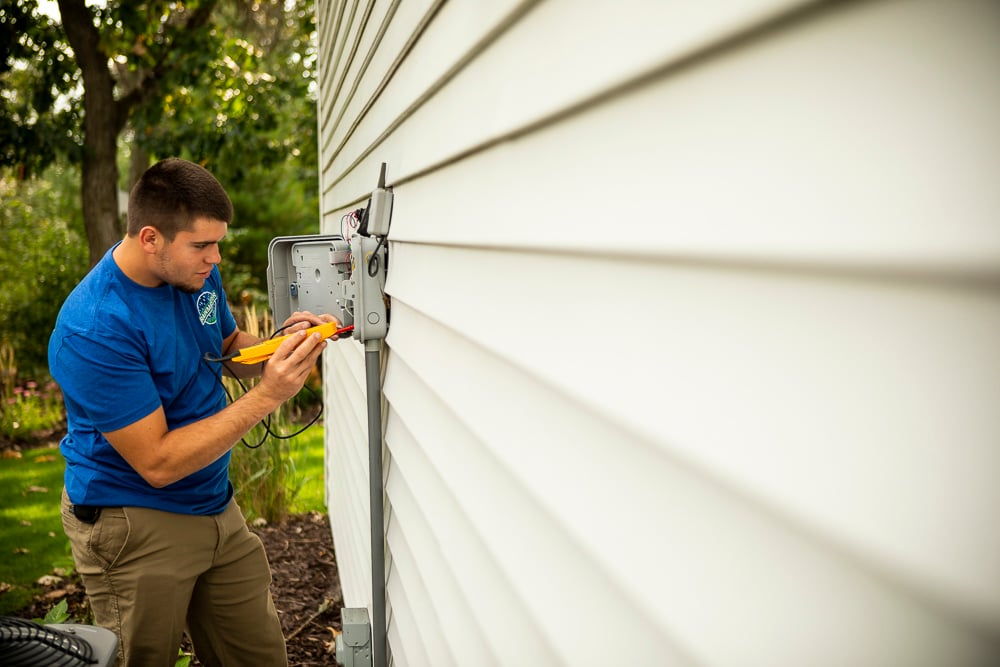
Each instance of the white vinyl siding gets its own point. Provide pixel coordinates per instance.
(695, 344)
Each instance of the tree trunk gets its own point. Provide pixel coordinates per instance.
(102, 123)
(137, 165)
(100, 180)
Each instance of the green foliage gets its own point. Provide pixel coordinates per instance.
(250, 118)
(29, 410)
(252, 107)
(42, 257)
(36, 71)
(307, 450)
(265, 468)
(57, 614)
(280, 477)
(228, 85)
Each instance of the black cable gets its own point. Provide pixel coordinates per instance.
(266, 422)
(373, 259)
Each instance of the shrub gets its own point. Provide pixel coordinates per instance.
(42, 257)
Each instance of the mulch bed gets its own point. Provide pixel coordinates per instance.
(305, 587)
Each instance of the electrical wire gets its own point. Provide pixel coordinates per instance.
(353, 219)
(266, 422)
(373, 259)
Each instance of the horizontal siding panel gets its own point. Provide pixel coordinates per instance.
(543, 567)
(334, 39)
(422, 572)
(502, 66)
(329, 26)
(488, 607)
(730, 578)
(794, 388)
(375, 40)
(694, 352)
(346, 460)
(403, 615)
(453, 31)
(812, 149)
(347, 45)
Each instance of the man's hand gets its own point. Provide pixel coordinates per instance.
(304, 319)
(289, 367)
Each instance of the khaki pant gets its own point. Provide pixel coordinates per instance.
(150, 575)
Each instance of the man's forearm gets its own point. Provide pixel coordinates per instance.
(188, 449)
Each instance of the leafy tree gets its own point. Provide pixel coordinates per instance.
(36, 71)
(138, 50)
(251, 119)
(229, 85)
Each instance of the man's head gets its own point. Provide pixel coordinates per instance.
(174, 193)
(178, 213)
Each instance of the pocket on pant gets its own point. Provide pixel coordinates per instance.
(109, 536)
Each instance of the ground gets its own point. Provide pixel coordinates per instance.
(305, 587)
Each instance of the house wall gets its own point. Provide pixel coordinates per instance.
(695, 344)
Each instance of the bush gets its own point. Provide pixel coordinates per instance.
(43, 255)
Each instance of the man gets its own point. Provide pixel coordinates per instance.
(157, 536)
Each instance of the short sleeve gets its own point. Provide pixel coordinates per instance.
(108, 377)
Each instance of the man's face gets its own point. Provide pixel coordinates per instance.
(187, 261)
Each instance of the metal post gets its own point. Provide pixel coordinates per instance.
(373, 373)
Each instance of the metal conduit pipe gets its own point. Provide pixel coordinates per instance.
(373, 372)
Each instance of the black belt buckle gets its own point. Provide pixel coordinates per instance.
(86, 513)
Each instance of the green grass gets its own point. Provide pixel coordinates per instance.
(32, 542)
(307, 455)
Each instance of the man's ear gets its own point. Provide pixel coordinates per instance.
(149, 238)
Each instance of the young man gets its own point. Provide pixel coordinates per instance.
(157, 536)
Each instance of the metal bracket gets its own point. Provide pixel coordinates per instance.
(354, 645)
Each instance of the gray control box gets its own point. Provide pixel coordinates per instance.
(305, 273)
(365, 288)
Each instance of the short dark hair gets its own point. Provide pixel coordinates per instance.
(174, 193)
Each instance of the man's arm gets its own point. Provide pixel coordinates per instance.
(163, 456)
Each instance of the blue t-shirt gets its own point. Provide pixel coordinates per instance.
(121, 350)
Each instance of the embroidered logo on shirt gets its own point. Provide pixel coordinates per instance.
(208, 311)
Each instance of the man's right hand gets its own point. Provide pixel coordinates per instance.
(289, 367)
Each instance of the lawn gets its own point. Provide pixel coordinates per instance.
(32, 543)
(307, 454)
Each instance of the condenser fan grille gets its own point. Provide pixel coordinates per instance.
(24, 643)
